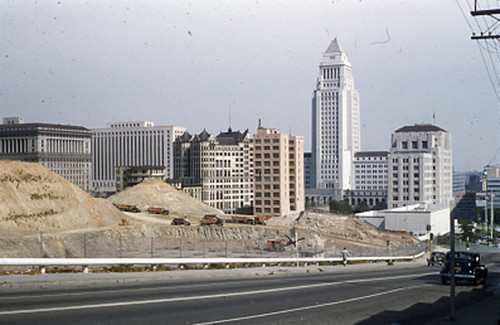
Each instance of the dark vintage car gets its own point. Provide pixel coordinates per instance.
(436, 258)
(467, 267)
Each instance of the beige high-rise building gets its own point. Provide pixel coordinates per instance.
(278, 173)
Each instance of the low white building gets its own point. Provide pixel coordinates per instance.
(411, 218)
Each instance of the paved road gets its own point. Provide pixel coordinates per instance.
(366, 294)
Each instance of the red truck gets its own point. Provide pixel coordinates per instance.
(127, 207)
(210, 219)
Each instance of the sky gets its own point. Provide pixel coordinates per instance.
(219, 63)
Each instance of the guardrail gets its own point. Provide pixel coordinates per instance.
(42, 263)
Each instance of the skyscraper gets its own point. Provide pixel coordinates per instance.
(335, 123)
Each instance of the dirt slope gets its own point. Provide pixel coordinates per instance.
(34, 198)
(156, 193)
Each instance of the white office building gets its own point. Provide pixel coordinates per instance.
(130, 144)
(370, 178)
(420, 166)
(335, 122)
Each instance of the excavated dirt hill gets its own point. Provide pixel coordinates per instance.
(156, 193)
(32, 198)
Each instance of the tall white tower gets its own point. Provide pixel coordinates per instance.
(335, 123)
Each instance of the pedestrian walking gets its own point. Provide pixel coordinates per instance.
(345, 254)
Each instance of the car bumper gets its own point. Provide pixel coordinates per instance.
(460, 276)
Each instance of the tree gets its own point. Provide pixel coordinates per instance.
(342, 207)
(361, 206)
(467, 230)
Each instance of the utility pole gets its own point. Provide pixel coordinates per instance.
(485, 12)
(492, 217)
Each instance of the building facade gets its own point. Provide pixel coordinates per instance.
(221, 165)
(420, 166)
(130, 144)
(279, 173)
(64, 149)
(491, 183)
(370, 179)
(130, 176)
(335, 122)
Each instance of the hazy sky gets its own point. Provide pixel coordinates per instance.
(189, 63)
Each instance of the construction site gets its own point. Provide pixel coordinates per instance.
(42, 214)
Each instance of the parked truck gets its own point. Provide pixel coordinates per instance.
(127, 207)
(180, 222)
(210, 219)
(154, 210)
(244, 220)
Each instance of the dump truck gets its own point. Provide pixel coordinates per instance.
(244, 220)
(260, 220)
(154, 210)
(127, 207)
(180, 222)
(210, 219)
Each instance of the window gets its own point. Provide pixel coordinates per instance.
(424, 145)
(404, 145)
(414, 144)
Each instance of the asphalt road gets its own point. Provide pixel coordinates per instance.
(409, 294)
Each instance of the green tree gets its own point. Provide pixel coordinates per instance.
(342, 207)
(467, 230)
(361, 206)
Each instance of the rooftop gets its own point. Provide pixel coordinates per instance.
(421, 128)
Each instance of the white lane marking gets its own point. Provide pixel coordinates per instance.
(80, 293)
(292, 310)
(220, 295)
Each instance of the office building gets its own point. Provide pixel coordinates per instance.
(64, 149)
(130, 144)
(491, 185)
(420, 166)
(221, 165)
(279, 173)
(370, 179)
(130, 176)
(335, 123)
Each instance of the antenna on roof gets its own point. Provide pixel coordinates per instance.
(260, 122)
(229, 116)
(290, 130)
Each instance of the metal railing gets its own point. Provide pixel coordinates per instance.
(42, 263)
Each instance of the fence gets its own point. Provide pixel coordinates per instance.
(90, 245)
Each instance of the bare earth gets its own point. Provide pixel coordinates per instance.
(34, 199)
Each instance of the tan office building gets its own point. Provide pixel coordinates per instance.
(278, 173)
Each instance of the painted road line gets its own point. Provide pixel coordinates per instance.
(213, 296)
(327, 304)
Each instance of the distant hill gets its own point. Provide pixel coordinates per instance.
(156, 193)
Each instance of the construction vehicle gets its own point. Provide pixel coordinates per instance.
(127, 207)
(275, 245)
(244, 220)
(210, 219)
(153, 210)
(180, 222)
(260, 220)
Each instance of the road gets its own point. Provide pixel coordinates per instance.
(365, 294)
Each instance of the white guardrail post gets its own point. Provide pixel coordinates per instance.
(85, 263)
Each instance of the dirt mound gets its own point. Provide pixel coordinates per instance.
(326, 229)
(156, 193)
(34, 198)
